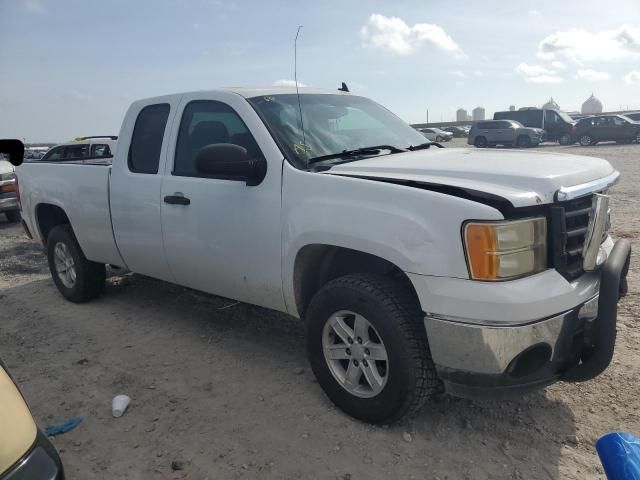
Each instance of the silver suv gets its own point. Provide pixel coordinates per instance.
(489, 133)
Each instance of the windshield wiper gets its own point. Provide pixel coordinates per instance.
(373, 150)
(423, 146)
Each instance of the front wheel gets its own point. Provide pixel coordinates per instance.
(368, 348)
(13, 216)
(565, 139)
(77, 278)
(523, 142)
(586, 140)
(438, 139)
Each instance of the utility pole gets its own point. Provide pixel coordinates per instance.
(427, 115)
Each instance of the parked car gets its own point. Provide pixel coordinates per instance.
(635, 116)
(602, 128)
(458, 132)
(489, 133)
(415, 269)
(436, 135)
(25, 452)
(558, 125)
(82, 149)
(8, 194)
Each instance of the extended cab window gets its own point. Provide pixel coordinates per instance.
(146, 142)
(206, 122)
(53, 155)
(100, 151)
(76, 152)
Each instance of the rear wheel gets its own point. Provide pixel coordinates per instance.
(565, 139)
(77, 278)
(586, 140)
(637, 138)
(13, 216)
(438, 139)
(523, 142)
(480, 142)
(368, 348)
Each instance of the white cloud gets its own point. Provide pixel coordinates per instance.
(538, 74)
(558, 64)
(478, 73)
(534, 14)
(287, 83)
(632, 77)
(392, 33)
(592, 75)
(579, 45)
(458, 73)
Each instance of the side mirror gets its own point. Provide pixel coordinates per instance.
(14, 149)
(226, 160)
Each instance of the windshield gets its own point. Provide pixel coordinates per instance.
(564, 116)
(332, 124)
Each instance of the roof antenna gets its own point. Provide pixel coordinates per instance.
(343, 88)
(295, 78)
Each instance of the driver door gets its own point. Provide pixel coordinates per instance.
(222, 236)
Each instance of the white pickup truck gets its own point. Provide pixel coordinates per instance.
(414, 268)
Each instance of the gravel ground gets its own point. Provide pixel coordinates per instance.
(224, 389)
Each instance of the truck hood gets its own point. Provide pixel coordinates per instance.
(523, 178)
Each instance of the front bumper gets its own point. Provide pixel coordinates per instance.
(480, 359)
(8, 202)
(41, 462)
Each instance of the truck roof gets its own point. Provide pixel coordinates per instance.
(249, 92)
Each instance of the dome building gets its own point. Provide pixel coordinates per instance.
(551, 105)
(591, 106)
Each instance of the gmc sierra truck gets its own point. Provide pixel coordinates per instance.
(415, 268)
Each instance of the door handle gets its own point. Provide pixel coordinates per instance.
(176, 200)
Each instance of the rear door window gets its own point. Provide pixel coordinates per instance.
(146, 142)
(100, 150)
(76, 152)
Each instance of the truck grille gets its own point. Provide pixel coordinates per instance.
(569, 224)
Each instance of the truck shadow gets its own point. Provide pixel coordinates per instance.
(162, 343)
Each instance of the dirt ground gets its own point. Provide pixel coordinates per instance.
(225, 388)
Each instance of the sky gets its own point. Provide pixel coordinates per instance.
(72, 67)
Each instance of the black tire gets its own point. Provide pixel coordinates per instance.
(90, 276)
(636, 138)
(13, 216)
(523, 142)
(397, 318)
(565, 139)
(480, 142)
(586, 140)
(438, 139)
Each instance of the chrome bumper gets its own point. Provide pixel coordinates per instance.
(9, 203)
(489, 350)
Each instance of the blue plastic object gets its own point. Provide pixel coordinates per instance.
(64, 427)
(620, 455)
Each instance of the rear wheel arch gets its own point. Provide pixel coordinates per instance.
(317, 264)
(49, 216)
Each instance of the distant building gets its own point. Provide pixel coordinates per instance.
(591, 106)
(512, 108)
(478, 113)
(462, 115)
(551, 104)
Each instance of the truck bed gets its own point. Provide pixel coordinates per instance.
(79, 188)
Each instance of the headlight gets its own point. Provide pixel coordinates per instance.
(7, 176)
(506, 250)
